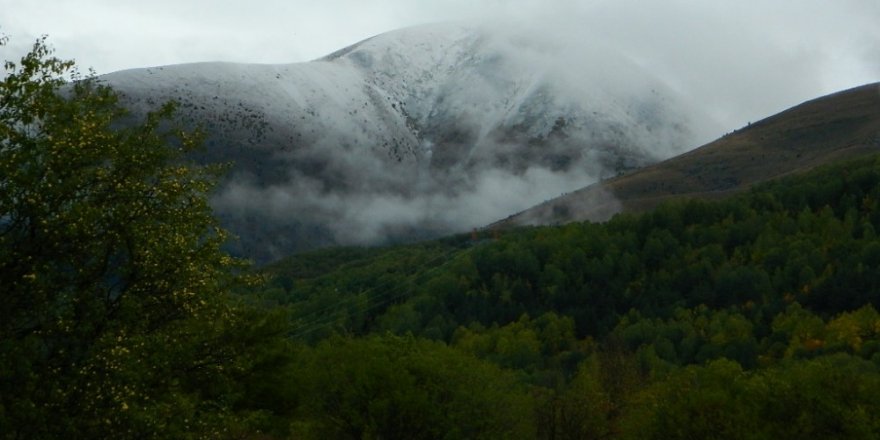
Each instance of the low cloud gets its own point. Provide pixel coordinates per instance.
(366, 218)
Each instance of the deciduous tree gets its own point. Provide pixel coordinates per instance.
(115, 320)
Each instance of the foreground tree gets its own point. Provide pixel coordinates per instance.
(115, 319)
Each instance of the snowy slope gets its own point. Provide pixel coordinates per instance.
(417, 132)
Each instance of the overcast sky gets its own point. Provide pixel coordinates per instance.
(743, 59)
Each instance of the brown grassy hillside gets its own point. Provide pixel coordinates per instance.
(842, 125)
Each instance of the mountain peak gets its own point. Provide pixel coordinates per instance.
(416, 132)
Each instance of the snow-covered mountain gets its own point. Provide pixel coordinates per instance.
(417, 132)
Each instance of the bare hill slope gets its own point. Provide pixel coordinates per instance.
(841, 125)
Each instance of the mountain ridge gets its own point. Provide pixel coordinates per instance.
(838, 125)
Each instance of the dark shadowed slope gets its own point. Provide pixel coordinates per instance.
(844, 124)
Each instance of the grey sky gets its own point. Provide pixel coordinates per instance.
(743, 60)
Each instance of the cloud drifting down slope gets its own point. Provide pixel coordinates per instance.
(429, 130)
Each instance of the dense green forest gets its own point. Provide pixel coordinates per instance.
(752, 317)
(729, 319)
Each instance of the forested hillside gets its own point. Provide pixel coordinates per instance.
(731, 318)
